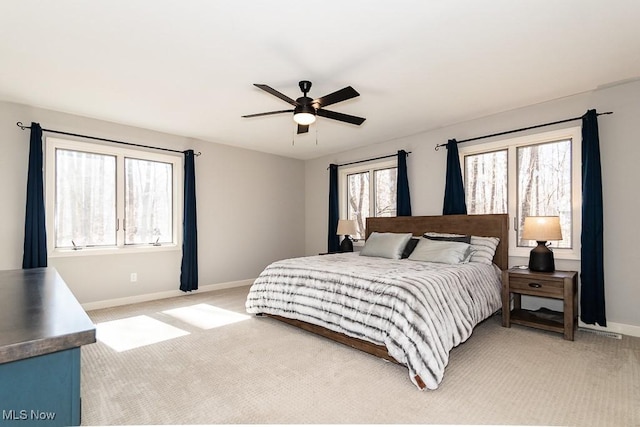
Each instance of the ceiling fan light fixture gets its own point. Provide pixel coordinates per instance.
(304, 118)
(304, 114)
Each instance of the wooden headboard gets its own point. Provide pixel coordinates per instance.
(473, 225)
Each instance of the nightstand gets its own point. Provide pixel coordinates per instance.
(560, 285)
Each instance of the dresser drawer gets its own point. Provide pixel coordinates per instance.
(532, 286)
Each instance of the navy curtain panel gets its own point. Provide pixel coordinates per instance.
(35, 235)
(592, 304)
(189, 268)
(454, 203)
(333, 241)
(403, 198)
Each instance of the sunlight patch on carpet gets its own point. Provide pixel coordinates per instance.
(133, 332)
(206, 316)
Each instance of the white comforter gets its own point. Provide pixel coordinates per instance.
(418, 310)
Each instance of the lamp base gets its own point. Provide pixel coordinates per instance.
(346, 245)
(541, 258)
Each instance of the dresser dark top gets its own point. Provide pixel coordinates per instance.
(39, 315)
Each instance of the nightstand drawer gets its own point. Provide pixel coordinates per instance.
(542, 288)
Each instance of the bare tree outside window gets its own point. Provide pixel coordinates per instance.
(365, 199)
(148, 201)
(544, 186)
(85, 201)
(486, 184)
(386, 191)
(358, 201)
(104, 198)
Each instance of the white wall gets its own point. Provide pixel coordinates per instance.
(620, 151)
(250, 211)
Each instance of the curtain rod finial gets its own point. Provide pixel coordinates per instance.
(21, 126)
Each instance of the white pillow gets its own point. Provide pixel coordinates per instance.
(482, 248)
(385, 245)
(441, 251)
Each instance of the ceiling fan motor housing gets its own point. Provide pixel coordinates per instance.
(304, 105)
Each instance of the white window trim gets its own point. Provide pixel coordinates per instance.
(573, 133)
(364, 167)
(51, 144)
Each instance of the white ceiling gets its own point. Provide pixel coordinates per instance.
(188, 67)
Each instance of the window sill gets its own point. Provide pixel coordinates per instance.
(63, 253)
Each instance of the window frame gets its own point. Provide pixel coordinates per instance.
(52, 144)
(343, 183)
(511, 144)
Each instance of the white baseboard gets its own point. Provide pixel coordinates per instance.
(620, 328)
(96, 305)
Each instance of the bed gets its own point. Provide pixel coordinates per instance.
(409, 312)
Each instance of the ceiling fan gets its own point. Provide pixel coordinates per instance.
(306, 109)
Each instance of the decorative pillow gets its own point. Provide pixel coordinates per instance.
(446, 252)
(482, 248)
(385, 245)
(411, 245)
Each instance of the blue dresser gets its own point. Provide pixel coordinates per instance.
(42, 327)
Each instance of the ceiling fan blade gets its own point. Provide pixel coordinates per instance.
(268, 113)
(337, 96)
(354, 120)
(274, 92)
(303, 129)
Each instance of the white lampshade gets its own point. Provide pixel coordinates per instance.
(304, 118)
(542, 228)
(346, 227)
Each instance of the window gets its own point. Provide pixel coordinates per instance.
(148, 201)
(102, 197)
(536, 175)
(368, 190)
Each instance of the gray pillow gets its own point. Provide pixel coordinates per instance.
(445, 252)
(385, 245)
(483, 248)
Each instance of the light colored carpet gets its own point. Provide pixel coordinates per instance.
(262, 371)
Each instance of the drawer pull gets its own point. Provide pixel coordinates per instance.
(535, 285)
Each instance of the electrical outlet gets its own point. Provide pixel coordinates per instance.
(134, 277)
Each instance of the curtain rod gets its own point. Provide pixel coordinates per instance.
(23, 127)
(520, 130)
(369, 160)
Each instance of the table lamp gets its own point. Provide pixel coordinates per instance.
(346, 228)
(541, 229)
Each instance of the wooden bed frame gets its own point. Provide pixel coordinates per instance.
(475, 225)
